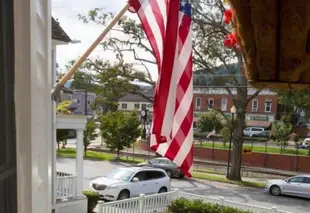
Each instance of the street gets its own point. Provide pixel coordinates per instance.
(94, 169)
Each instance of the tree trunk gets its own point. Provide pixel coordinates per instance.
(58, 145)
(238, 127)
(118, 152)
(85, 149)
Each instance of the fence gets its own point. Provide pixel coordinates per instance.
(158, 203)
(65, 186)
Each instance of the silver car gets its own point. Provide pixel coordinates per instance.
(296, 186)
(170, 167)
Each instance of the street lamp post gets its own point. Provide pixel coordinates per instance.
(232, 111)
(144, 115)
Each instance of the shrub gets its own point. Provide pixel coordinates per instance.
(92, 200)
(183, 205)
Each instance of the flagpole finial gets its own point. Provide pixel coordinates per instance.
(56, 92)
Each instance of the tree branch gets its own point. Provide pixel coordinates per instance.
(253, 96)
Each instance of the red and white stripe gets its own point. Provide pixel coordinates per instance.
(169, 33)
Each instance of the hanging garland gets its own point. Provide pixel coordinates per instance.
(230, 40)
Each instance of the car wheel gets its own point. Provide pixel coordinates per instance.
(124, 194)
(275, 190)
(162, 190)
(169, 173)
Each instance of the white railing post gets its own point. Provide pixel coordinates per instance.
(100, 209)
(177, 193)
(141, 203)
(274, 209)
(222, 201)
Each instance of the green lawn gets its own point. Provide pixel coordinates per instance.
(100, 156)
(261, 149)
(223, 179)
(202, 174)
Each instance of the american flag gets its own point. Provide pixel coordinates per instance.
(167, 24)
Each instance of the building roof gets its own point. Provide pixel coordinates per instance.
(58, 33)
(254, 123)
(138, 98)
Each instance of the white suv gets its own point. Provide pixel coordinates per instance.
(129, 182)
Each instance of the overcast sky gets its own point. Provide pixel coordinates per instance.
(66, 12)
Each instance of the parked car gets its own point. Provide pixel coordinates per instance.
(252, 131)
(130, 182)
(304, 144)
(297, 186)
(263, 134)
(170, 167)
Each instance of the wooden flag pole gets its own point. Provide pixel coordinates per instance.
(78, 63)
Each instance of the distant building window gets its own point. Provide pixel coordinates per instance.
(143, 106)
(198, 103)
(267, 106)
(210, 103)
(224, 104)
(254, 105)
(75, 100)
(124, 106)
(137, 106)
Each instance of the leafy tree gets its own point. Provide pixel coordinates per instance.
(283, 131)
(62, 134)
(64, 107)
(62, 137)
(89, 134)
(295, 103)
(120, 130)
(225, 132)
(208, 55)
(210, 121)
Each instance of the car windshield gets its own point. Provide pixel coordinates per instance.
(119, 174)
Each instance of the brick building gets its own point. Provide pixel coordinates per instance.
(261, 110)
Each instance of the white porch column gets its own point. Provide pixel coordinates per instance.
(54, 129)
(33, 106)
(79, 164)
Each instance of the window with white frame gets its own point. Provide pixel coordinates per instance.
(124, 106)
(198, 103)
(75, 100)
(210, 103)
(268, 106)
(254, 105)
(224, 104)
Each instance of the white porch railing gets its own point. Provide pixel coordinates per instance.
(65, 186)
(158, 203)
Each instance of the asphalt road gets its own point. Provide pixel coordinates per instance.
(94, 169)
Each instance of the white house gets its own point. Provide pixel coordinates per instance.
(28, 123)
(67, 188)
(137, 102)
